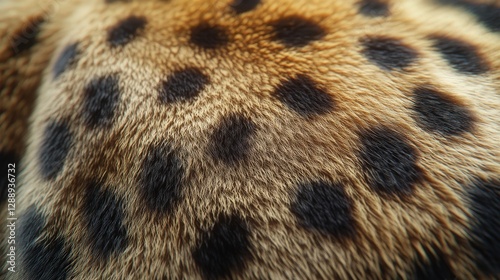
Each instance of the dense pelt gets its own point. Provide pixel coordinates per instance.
(247, 139)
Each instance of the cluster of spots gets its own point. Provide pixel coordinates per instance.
(392, 54)
(388, 159)
(161, 179)
(291, 31)
(434, 111)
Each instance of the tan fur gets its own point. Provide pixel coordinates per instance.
(286, 148)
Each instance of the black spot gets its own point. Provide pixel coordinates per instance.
(100, 101)
(40, 259)
(373, 8)
(25, 38)
(436, 112)
(208, 36)
(460, 55)
(161, 179)
(183, 85)
(388, 53)
(433, 267)
(104, 214)
(295, 31)
(31, 224)
(66, 59)
(224, 249)
(484, 199)
(389, 162)
(302, 95)
(487, 14)
(230, 141)
(57, 141)
(242, 6)
(7, 158)
(324, 207)
(126, 30)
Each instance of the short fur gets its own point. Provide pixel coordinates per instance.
(286, 139)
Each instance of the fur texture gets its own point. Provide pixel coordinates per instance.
(288, 139)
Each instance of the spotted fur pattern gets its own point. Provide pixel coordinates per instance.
(247, 139)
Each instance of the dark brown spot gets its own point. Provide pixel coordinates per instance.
(388, 53)
(389, 162)
(243, 6)
(57, 141)
(230, 142)
(126, 30)
(224, 249)
(302, 95)
(208, 36)
(40, 258)
(439, 113)
(183, 85)
(373, 8)
(102, 95)
(295, 31)
(66, 58)
(161, 179)
(325, 207)
(462, 56)
(104, 217)
(484, 203)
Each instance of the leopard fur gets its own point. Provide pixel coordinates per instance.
(246, 139)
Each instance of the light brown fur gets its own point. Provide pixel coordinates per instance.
(391, 233)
